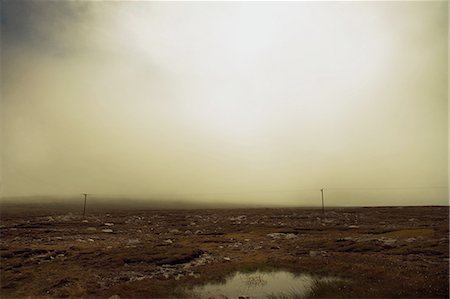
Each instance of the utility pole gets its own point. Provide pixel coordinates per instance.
(323, 206)
(84, 209)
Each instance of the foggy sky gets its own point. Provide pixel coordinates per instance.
(245, 102)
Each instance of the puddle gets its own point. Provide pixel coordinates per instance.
(259, 284)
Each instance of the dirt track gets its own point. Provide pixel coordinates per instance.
(384, 252)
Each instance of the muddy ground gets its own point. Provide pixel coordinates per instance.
(381, 252)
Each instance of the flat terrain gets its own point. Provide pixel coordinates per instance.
(381, 252)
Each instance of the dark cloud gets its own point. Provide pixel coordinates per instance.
(41, 25)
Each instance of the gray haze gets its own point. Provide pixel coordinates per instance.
(242, 102)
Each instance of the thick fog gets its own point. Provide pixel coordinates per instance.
(255, 102)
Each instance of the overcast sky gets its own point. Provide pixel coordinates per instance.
(256, 102)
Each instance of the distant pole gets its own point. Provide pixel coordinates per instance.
(84, 209)
(323, 206)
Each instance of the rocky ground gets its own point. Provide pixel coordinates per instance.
(381, 252)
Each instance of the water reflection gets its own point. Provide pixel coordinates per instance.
(262, 285)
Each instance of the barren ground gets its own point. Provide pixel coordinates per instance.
(383, 252)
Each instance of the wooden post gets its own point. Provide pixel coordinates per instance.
(323, 206)
(84, 209)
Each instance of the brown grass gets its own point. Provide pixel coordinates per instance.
(41, 258)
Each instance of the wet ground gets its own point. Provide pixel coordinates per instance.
(263, 284)
(377, 252)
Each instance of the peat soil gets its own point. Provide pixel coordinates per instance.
(381, 252)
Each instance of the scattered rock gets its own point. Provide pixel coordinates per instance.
(388, 241)
(179, 276)
(107, 230)
(353, 226)
(236, 245)
(168, 241)
(290, 236)
(275, 235)
(67, 217)
(314, 253)
(108, 224)
(227, 259)
(282, 235)
(114, 297)
(91, 228)
(239, 218)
